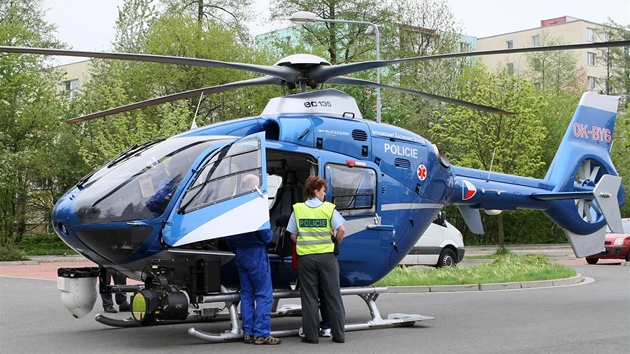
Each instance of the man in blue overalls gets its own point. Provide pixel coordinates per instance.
(252, 261)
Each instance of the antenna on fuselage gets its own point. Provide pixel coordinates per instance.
(194, 122)
(491, 163)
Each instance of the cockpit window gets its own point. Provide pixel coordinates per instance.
(222, 175)
(139, 186)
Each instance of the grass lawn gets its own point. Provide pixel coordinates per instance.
(503, 269)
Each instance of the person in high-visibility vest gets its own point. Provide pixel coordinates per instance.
(315, 226)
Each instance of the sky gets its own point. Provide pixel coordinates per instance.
(89, 24)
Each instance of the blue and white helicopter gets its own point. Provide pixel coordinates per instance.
(160, 211)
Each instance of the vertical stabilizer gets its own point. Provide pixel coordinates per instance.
(582, 166)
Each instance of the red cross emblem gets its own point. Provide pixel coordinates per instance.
(422, 172)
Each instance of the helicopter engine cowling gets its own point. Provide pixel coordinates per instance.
(78, 289)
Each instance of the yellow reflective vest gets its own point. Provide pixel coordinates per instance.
(314, 228)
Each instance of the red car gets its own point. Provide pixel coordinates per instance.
(616, 246)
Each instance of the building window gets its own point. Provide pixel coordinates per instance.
(464, 47)
(510, 68)
(510, 44)
(590, 35)
(591, 83)
(71, 87)
(536, 40)
(590, 59)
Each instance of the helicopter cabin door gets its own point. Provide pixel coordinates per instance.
(226, 196)
(353, 188)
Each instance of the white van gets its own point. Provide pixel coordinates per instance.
(441, 245)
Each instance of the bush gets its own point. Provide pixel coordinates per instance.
(44, 245)
(10, 252)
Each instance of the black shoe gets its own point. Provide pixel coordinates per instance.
(338, 340)
(110, 309)
(306, 340)
(124, 307)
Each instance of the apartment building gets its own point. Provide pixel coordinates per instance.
(76, 74)
(567, 30)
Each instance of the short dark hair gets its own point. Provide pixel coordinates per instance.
(312, 184)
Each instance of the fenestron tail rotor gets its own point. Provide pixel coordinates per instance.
(587, 176)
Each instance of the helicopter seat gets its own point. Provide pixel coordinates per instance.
(288, 194)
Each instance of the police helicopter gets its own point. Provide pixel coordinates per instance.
(159, 213)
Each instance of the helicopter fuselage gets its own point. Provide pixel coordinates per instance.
(168, 206)
(378, 176)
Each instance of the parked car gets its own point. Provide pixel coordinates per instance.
(616, 246)
(441, 245)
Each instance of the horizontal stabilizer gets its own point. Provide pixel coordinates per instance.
(562, 195)
(605, 193)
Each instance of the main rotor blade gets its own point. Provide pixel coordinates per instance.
(267, 80)
(286, 73)
(324, 73)
(358, 82)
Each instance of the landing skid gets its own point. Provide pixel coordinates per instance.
(368, 294)
(114, 322)
(131, 322)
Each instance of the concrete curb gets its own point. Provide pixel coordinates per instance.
(39, 259)
(485, 287)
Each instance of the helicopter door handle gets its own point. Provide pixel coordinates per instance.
(380, 227)
(137, 223)
(259, 192)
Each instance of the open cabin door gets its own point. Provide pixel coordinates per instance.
(215, 205)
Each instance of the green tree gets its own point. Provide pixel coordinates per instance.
(615, 60)
(620, 156)
(132, 24)
(558, 80)
(422, 28)
(617, 82)
(407, 28)
(116, 83)
(342, 42)
(553, 72)
(498, 143)
(30, 111)
(232, 14)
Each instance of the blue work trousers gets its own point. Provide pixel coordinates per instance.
(256, 290)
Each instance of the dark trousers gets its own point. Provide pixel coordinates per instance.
(119, 279)
(321, 270)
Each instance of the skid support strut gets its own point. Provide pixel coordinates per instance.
(368, 294)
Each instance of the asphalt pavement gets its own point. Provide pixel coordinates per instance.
(45, 267)
(592, 316)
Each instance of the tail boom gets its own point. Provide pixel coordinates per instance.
(581, 191)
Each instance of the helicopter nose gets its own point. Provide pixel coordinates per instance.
(62, 214)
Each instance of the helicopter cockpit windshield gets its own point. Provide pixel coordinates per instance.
(140, 186)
